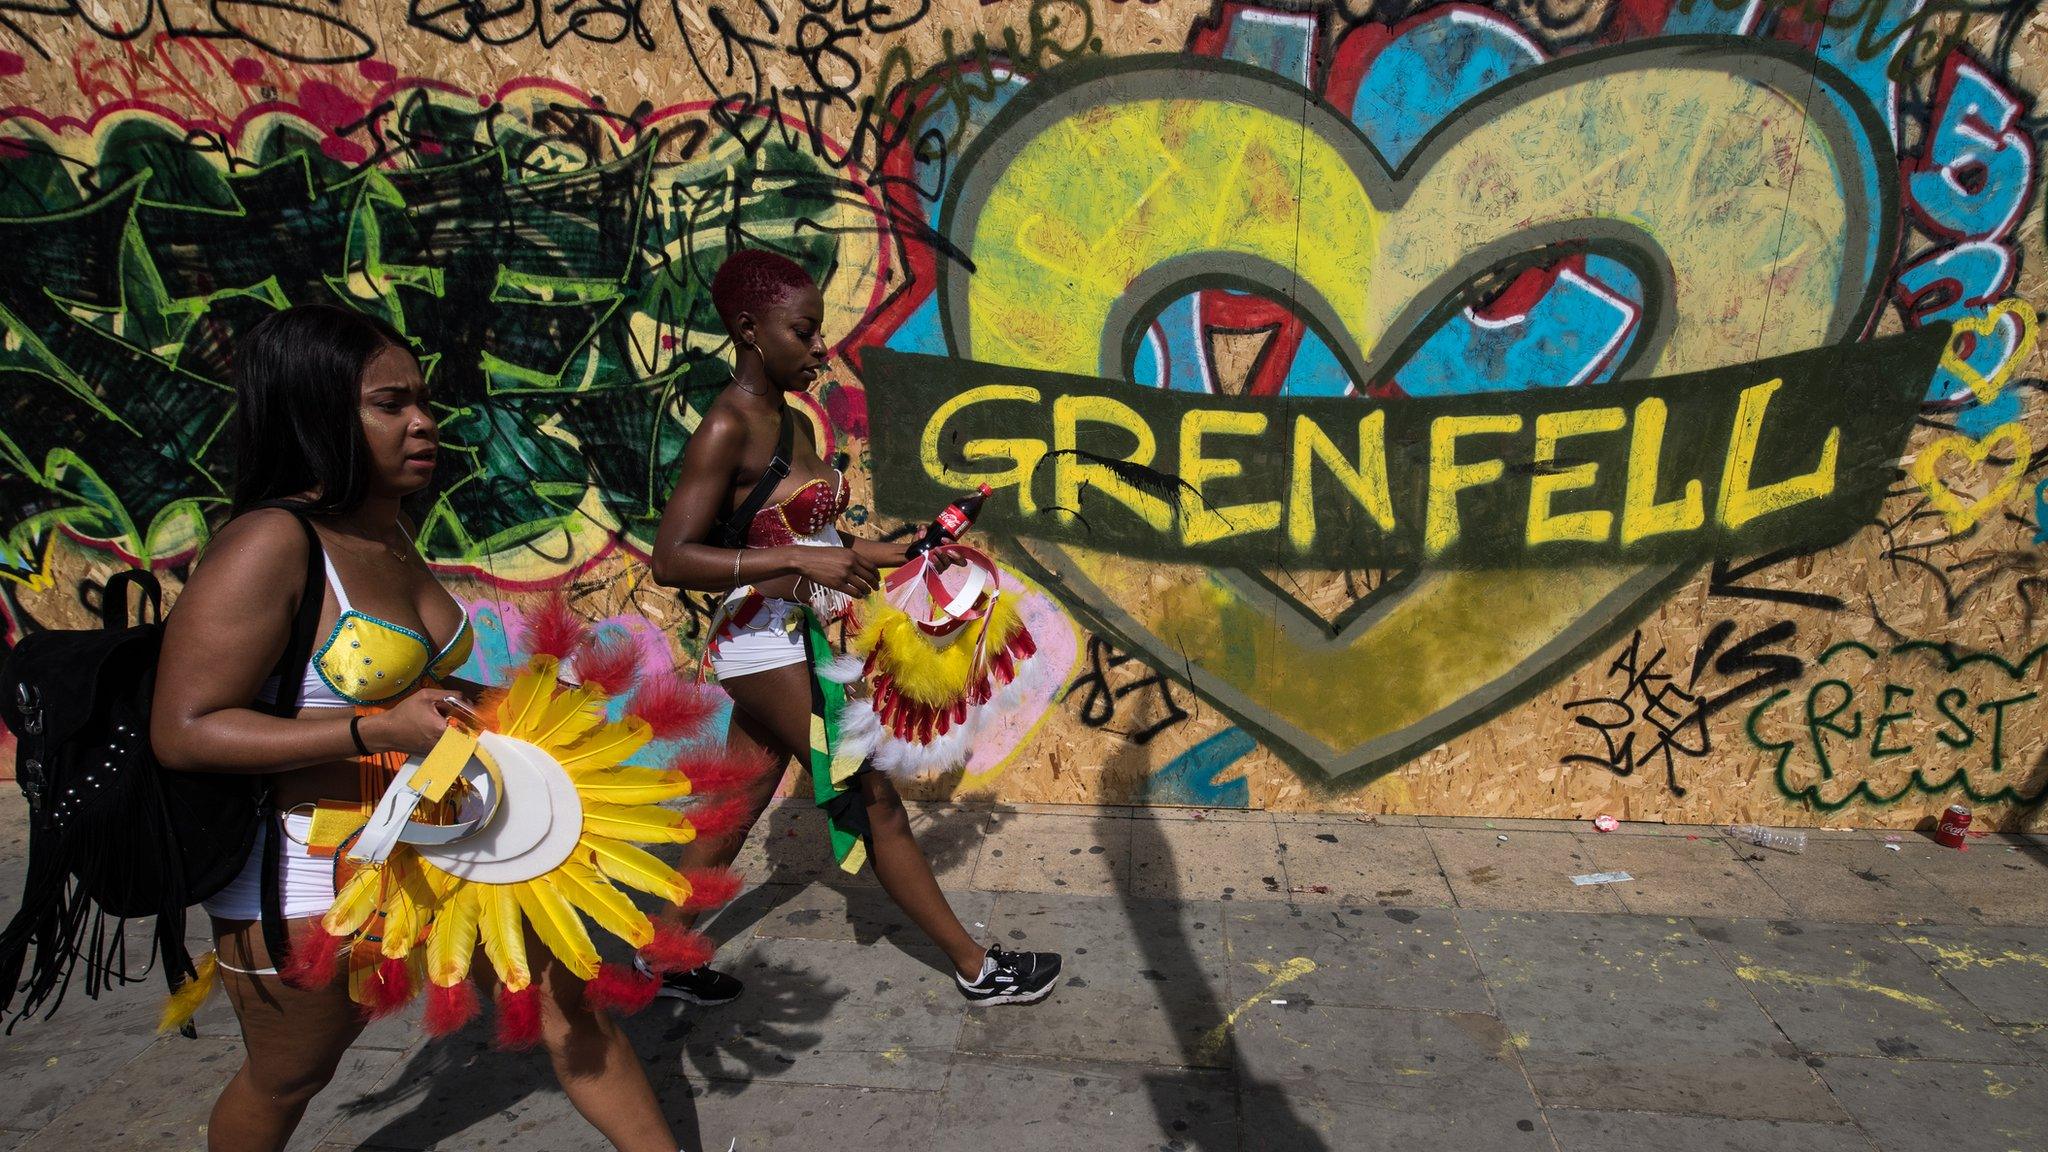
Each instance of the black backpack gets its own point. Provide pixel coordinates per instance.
(114, 835)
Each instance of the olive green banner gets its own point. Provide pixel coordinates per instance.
(1790, 452)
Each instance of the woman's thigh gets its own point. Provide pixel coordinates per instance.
(772, 710)
(292, 1034)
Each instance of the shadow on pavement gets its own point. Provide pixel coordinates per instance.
(1194, 1008)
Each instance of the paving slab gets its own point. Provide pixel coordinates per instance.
(1350, 863)
(161, 1100)
(2029, 1038)
(789, 845)
(1203, 860)
(1365, 819)
(1144, 982)
(1635, 1013)
(1915, 1105)
(1057, 1105)
(952, 842)
(740, 916)
(1577, 1131)
(1199, 815)
(866, 916)
(1676, 876)
(1996, 882)
(767, 1117)
(827, 1012)
(1852, 990)
(2003, 971)
(461, 1093)
(1853, 881)
(1503, 824)
(1527, 870)
(1360, 957)
(1383, 1078)
(47, 1066)
(1056, 854)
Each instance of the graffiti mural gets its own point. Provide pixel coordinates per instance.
(1507, 409)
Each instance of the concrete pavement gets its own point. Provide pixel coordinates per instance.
(1240, 980)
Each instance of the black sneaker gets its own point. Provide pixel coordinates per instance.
(1013, 977)
(699, 986)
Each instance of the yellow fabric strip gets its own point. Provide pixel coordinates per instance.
(444, 764)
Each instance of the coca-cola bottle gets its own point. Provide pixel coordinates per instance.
(951, 524)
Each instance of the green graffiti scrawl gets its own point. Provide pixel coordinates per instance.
(560, 302)
(1964, 712)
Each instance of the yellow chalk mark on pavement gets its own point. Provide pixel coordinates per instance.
(1212, 1041)
(1758, 974)
(1963, 956)
(1997, 1088)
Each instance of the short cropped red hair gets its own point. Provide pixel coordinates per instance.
(754, 280)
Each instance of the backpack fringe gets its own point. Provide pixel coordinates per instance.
(58, 926)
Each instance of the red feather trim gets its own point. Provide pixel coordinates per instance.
(671, 705)
(618, 989)
(450, 1007)
(390, 988)
(722, 817)
(314, 960)
(710, 773)
(674, 950)
(519, 1018)
(608, 662)
(553, 628)
(710, 887)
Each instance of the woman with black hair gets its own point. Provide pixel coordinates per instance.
(333, 424)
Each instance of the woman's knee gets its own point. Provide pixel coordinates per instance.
(287, 1084)
(574, 1033)
(886, 814)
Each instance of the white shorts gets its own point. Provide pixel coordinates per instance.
(306, 882)
(774, 638)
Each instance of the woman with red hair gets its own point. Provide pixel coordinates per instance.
(752, 517)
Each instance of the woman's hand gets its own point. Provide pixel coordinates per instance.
(840, 569)
(413, 727)
(940, 560)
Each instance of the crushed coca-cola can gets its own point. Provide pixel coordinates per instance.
(1954, 828)
(1606, 823)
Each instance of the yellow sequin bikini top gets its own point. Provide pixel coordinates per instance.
(368, 660)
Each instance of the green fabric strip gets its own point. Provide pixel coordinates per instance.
(831, 775)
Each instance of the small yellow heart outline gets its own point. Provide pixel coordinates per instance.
(1962, 516)
(1987, 389)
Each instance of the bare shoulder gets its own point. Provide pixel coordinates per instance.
(723, 429)
(266, 548)
(718, 444)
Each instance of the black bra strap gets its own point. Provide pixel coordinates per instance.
(733, 532)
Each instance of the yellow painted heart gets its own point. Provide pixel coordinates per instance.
(1961, 516)
(1737, 180)
(1984, 327)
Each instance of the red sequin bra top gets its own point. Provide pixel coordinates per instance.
(805, 512)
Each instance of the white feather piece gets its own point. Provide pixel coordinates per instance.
(860, 730)
(844, 668)
(906, 759)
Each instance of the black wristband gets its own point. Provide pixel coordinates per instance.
(356, 734)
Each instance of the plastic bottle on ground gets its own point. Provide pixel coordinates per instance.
(1782, 839)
